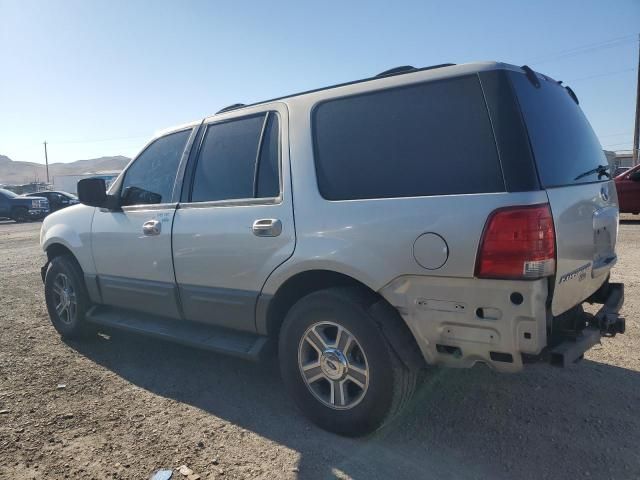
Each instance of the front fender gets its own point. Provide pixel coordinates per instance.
(71, 228)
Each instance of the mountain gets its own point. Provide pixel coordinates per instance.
(15, 173)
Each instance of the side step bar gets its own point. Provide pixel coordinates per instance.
(240, 344)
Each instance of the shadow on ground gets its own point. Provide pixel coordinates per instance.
(542, 423)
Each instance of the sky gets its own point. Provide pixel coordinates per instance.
(96, 78)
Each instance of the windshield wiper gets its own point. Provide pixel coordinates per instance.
(601, 170)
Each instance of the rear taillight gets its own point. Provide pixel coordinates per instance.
(518, 243)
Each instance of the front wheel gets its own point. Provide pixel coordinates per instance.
(337, 364)
(20, 215)
(66, 297)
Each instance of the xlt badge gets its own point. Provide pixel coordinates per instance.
(580, 273)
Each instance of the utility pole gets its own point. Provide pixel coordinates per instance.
(636, 131)
(46, 160)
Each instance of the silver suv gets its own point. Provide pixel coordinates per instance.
(448, 215)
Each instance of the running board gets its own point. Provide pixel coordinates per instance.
(221, 340)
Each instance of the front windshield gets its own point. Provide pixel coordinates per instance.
(8, 193)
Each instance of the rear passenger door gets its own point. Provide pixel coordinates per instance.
(235, 223)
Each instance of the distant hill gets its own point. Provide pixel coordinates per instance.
(16, 173)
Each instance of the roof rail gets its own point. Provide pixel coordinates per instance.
(396, 71)
(410, 68)
(230, 107)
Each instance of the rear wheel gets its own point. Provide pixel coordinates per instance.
(337, 364)
(66, 297)
(20, 214)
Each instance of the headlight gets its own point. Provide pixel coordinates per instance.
(35, 203)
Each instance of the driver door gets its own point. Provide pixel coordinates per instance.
(132, 246)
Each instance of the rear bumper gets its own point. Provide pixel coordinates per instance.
(503, 323)
(458, 322)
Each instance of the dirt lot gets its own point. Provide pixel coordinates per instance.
(122, 407)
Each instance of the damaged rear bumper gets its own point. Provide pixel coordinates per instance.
(459, 322)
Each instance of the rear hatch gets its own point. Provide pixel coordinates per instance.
(573, 170)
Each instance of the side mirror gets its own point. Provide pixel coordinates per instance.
(635, 176)
(92, 192)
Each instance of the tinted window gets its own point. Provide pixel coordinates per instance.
(564, 144)
(226, 167)
(151, 177)
(268, 183)
(429, 139)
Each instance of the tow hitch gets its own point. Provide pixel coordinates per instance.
(607, 318)
(607, 322)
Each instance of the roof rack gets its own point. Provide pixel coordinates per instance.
(410, 68)
(387, 73)
(231, 107)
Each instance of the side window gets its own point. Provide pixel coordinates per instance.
(227, 169)
(426, 139)
(151, 177)
(268, 178)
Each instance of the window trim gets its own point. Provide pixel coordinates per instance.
(177, 182)
(314, 136)
(234, 202)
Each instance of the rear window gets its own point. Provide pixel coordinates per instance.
(564, 144)
(428, 139)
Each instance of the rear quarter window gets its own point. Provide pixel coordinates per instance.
(427, 139)
(564, 145)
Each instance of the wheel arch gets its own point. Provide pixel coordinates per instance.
(271, 310)
(56, 249)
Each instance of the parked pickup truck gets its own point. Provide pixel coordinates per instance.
(328, 224)
(22, 209)
(57, 199)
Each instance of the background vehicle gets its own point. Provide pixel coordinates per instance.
(22, 209)
(57, 199)
(391, 265)
(620, 170)
(628, 187)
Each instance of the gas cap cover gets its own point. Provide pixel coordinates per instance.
(430, 251)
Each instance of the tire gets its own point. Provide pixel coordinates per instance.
(64, 284)
(20, 214)
(360, 403)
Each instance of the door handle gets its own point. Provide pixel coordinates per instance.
(151, 227)
(267, 227)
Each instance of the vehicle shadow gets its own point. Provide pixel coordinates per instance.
(542, 423)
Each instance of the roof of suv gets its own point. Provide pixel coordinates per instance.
(447, 70)
(451, 69)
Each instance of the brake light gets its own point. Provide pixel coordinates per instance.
(518, 243)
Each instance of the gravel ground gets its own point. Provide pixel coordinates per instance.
(123, 407)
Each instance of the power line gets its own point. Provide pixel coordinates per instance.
(607, 74)
(613, 42)
(618, 144)
(615, 134)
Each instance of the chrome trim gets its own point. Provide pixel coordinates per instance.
(144, 208)
(233, 203)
